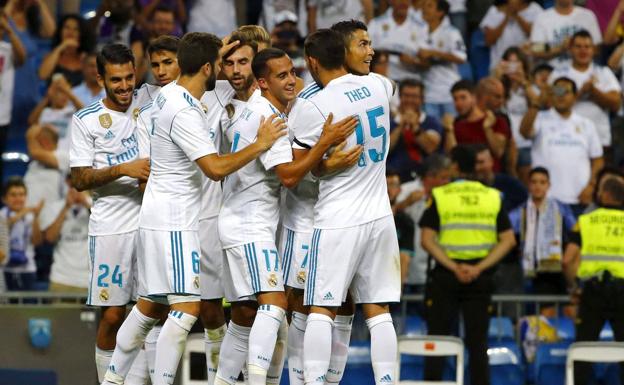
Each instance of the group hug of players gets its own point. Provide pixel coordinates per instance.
(254, 189)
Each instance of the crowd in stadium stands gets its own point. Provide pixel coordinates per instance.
(493, 74)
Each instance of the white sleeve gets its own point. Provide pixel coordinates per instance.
(607, 81)
(594, 149)
(280, 152)
(537, 124)
(143, 128)
(592, 27)
(307, 125)
(188, 131)
(539, 31)
(492, 18)
(82, 144)
(388, 85)
(456, 44)
(62, 157)
(49, 213)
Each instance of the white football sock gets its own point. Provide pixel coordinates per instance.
(341, 336)
(233, 354)
(383, 348)
(139, 373)
(317, 348)
(150, 349)
(296, 332)
(171, 344)
(274, 374)
(102, 360)
(212, 340)
(130, 338)
(262, 340)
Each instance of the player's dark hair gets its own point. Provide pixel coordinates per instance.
(327, 47)
(113, 54)
(243, 41)
(13, 181)
(466, 159)
(410, 82)
(539, 170)
(463, 85)
(566, 79)
(347, 28)
(164, 43)
(259, 65)
(195, 50)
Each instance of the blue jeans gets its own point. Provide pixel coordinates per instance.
(20, 281)
(438, 110)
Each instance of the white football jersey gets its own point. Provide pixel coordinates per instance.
(214, 102)
(172, 198)
(101, 138)
(298, 205)
(250, 209)
(359, 194)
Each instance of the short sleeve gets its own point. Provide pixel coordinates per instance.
(492, 18)
(501, 127)
(143, 133)
(539, 31)
(62, 157)
(608, 82)
(592, 27)
(280, 152)
(189, 132)
(456, 44)
(594, 149)
(49, 213)
(431, 217)
(306, 122)
(82, 147)
(502, 221)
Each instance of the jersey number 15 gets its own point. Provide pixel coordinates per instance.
(375, 131)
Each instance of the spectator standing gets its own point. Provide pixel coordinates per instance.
(441, 52)
(554, 27)
(413, 134)
(566, 144)
(466, 230)
(506, 24)
(64, 223)
(325, 13)
(217, 17)
(401, 36)
(12, 55)
(71, 42)
(89, 90)
(20, 271)
(594, 256)
(542, 226)
(476, 124)
(599, 92)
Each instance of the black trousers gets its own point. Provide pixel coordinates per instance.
(445, 297)
(601, 300)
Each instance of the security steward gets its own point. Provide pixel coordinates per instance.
(466, 231)
(593, 265)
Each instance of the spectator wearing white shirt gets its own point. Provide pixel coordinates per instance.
(554, 27)
(599, 91)
(325, 13)
(89, 91)
(566, 144)
(64, 223)
(399, 33)
(442, 51)
(508, 23)
(215, 16)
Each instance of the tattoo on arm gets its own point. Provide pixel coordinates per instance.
(86, 178)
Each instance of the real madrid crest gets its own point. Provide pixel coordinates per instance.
(105, 120)
(204, 107)
(272, 280)
(135, 113)
(196, 282)
(104, 295)
(301, 277)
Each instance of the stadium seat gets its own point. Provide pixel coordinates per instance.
(501, 329)
(606, 334)
(592, 352)
(415, 325)
(550, 362)
(505, 364)
(27, 376)
(565, 327)
(433, 346)
(14, 163)
(479, 55)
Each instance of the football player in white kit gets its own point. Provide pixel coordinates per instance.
(168, 233)
(298, 213)
(104, 157)
(354, 244)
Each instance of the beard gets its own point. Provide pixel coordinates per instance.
(110, 94)
(245, 85)
(211, 82)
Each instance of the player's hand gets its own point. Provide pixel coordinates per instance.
(336, 133)
(341, 159)
(227, 45)
(270, 131)
(139, 169)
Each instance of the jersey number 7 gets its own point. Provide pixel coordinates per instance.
(375, 132)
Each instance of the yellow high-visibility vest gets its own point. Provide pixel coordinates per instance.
(602, 238)
(468, 212)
